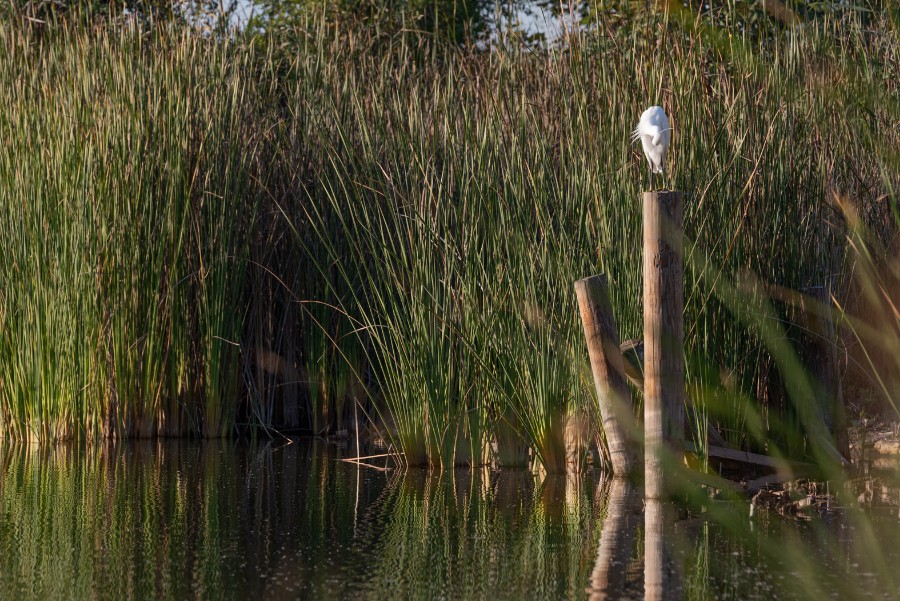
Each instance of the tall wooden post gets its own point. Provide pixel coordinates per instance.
(663, 335)
(607, 365)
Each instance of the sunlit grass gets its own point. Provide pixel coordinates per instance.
(127, 218)
(395, 224)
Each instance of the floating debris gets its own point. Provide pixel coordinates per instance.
(795, 500)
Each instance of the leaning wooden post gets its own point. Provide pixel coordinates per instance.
(663, 336)
(607, 365)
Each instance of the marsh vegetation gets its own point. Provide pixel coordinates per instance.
(353, 229)
(324, 224)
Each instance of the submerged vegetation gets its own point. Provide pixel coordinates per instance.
(324, 226)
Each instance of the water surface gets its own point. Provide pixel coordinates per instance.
(289, 521)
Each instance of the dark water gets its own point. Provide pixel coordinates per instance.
(288, 521)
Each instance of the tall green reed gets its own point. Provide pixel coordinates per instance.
(395, 223)
(127, 219)
(528, 183)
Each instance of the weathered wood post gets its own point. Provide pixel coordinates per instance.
(607, 365)
(663, 336)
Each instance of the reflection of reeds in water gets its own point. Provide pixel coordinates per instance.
(525, 541)
(120, 522)
(695, 557)
(178, 520)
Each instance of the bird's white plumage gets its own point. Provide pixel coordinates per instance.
(654, 133)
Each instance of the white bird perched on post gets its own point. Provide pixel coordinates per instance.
(654, 133)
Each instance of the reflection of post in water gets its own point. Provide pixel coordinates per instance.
(609, 580)
(661, 575)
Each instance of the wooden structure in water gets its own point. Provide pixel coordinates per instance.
(663, 377)
(656, 364)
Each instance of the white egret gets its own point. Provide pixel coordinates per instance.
(654, 133)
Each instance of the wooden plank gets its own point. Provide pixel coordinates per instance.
(751, 458)
(355, 459)
(633, 356)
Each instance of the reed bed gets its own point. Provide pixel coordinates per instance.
(330, 226)
(127, 223)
